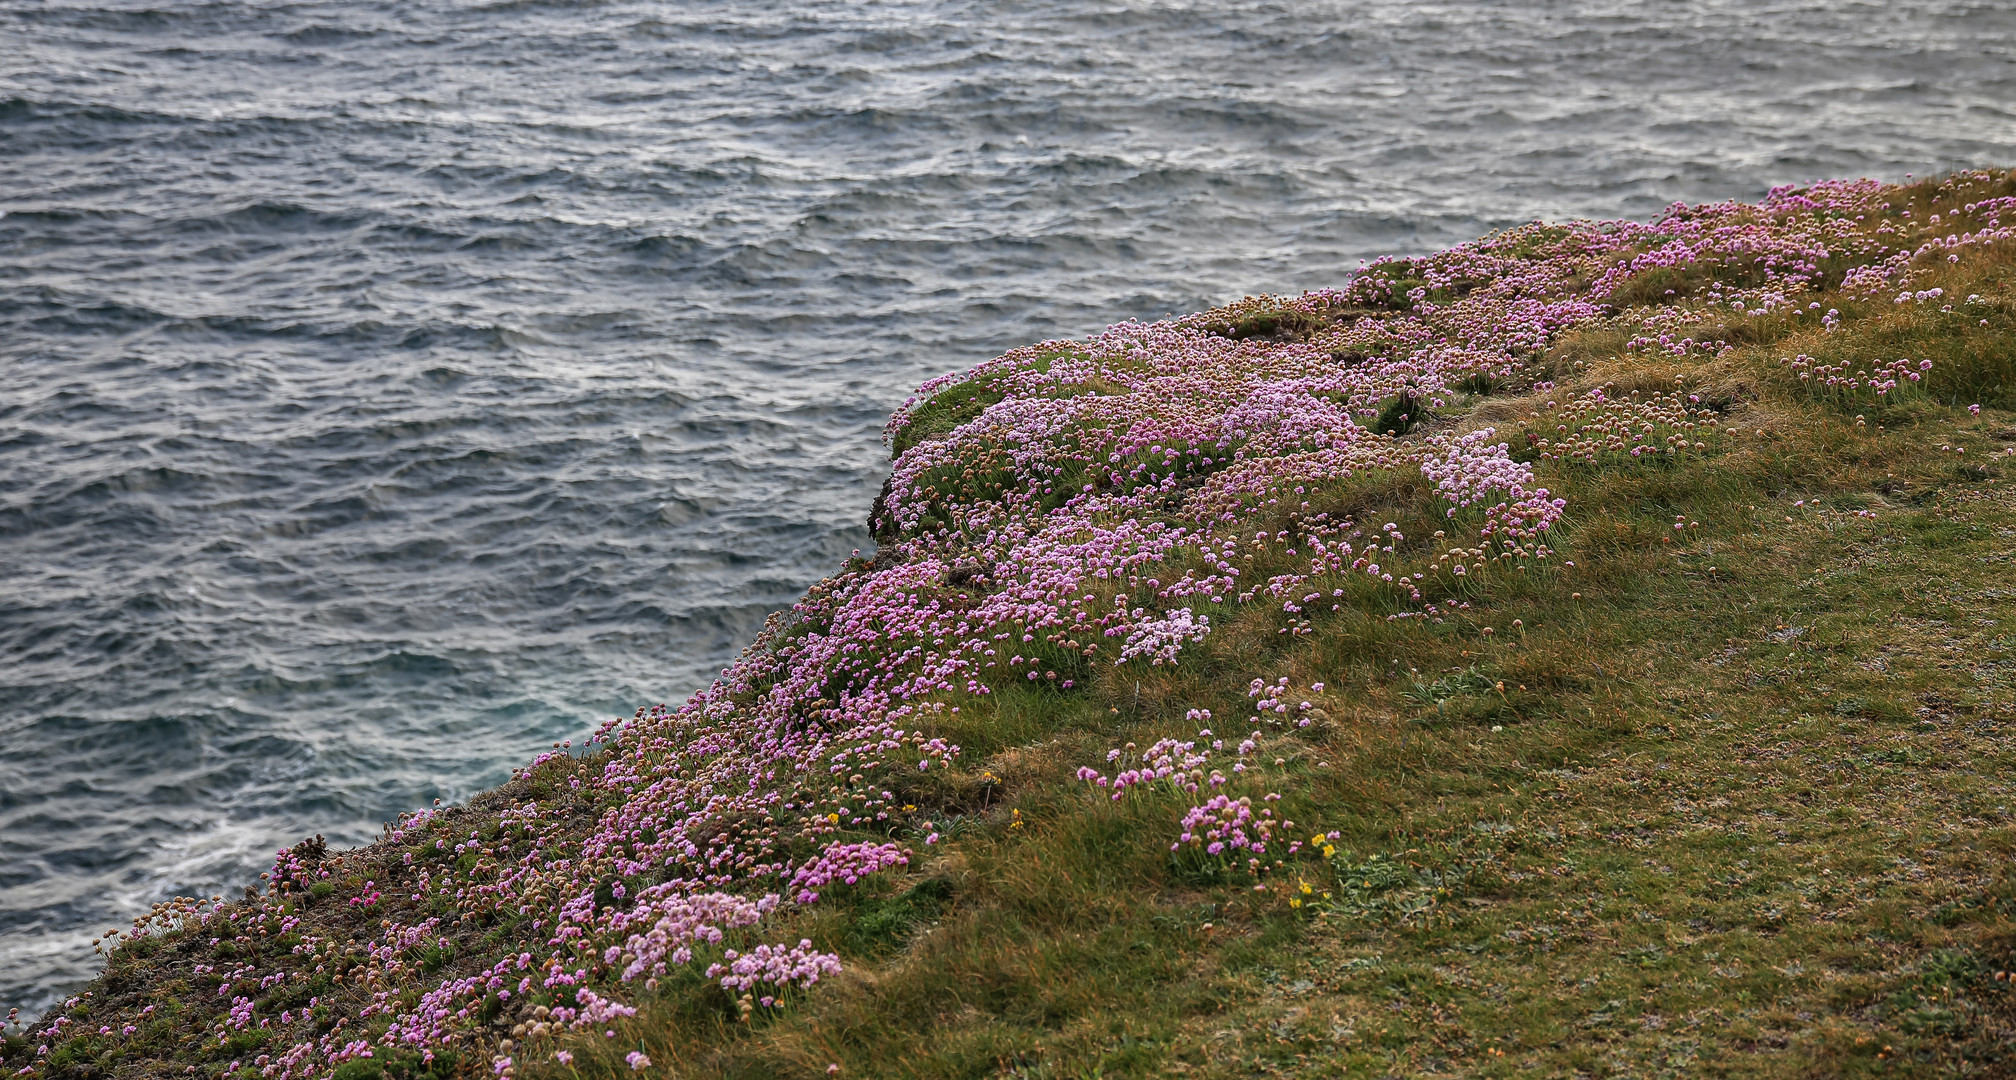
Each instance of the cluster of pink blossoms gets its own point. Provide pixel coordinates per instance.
(800, 965)
(1223, 825)
(1847, 380)
(1594, 428)
(1178, 764)
(848, 863)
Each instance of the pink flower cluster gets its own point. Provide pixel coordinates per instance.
(1595, 428)
(1849, 380)
(1225, 823)
(845, 862)
(1179, 764)
(680, 923)
(1470, 469)
(1222, 825)
(1161, 639)
(800, 965)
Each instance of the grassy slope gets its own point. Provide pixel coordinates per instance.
(1724, 800)
(1740, 807)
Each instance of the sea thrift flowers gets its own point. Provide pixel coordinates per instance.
(800, 965)
(848, 863)
(1223, 825)
(1062, 514)
(1851, 381)
(1596, 428)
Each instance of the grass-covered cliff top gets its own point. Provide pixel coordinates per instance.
(1588, 651)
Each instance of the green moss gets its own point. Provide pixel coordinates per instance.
(942, 412)
(878, 927)
(1270, 324)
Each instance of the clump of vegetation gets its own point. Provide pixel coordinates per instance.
(1266, 319)
(1645, 717)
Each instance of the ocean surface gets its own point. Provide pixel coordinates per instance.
(389, 390)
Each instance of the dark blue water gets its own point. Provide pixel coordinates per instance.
(389, 390)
